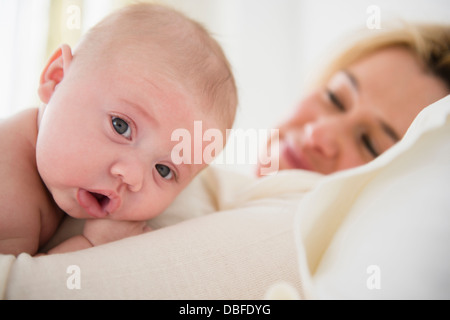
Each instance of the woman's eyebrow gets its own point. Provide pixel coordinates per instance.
(352, 79)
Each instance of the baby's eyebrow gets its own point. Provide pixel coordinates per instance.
(144, 112)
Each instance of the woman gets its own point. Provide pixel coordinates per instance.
(367, 99)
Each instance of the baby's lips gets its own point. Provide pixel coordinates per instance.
(113, 204)
(89, 203)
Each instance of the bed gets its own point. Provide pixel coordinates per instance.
(380, 231)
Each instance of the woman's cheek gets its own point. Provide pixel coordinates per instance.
(305, 111)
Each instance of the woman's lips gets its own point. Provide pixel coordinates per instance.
(293, 157)
(98, 203)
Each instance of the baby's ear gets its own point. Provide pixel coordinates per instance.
(53, 73)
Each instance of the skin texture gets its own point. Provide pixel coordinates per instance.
(101, 145)
(360, 113)
(91, 155)
(28, 216)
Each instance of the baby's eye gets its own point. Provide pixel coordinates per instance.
(121, 127)
(164, 171)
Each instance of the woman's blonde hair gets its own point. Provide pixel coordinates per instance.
(430, 43)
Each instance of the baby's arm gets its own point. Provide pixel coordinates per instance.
(101, 231)
(28, 217)
(75, 243)
(19, 220)
(27, 221)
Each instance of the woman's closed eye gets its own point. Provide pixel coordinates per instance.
(365, 138)
(368, 144)
(335, 100)
(164, 171)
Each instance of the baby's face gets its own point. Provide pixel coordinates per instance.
(104, 143)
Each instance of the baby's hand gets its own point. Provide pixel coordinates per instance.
(100, 231)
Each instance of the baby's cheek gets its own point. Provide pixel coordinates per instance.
(153, 204)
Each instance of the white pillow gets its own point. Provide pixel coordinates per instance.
(383, 230)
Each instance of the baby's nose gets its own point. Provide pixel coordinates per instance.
(130, 172)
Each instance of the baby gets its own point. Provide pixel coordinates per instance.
(100, 146)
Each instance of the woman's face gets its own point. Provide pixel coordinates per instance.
(360, 113)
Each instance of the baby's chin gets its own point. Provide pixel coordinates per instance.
(72, 209)
(79, 213)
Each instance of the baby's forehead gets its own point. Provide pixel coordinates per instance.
(160, 38)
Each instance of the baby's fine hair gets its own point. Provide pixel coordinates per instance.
(186, 49)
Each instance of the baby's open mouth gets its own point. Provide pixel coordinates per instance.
(101, 199)
(98, 204)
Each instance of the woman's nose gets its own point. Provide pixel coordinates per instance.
(323, 138)
(131, 172)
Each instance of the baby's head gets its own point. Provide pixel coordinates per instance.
(105, 144)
